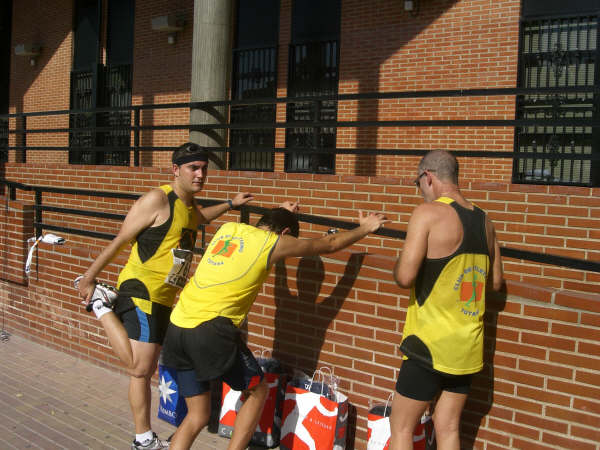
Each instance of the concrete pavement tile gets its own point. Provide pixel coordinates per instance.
(63, 395)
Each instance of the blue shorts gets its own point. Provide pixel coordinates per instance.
(421, 383)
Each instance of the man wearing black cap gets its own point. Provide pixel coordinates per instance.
(161, 226)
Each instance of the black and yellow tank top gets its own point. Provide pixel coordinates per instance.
(161, 257)
(444, 319)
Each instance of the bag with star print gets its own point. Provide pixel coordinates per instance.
(171, 406)
(268, 429)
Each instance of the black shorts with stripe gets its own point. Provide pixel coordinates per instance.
(140, 326)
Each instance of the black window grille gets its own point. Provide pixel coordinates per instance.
(112, 89)
(255, 76)
(313, 71)
(95, 85)
(82, 97)
(557, 52)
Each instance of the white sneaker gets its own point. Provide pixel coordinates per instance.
(103, 292)
(153, 444)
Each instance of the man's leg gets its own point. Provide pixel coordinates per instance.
(197, 418)
(248, 416)
(446, 420)
(118, 338)
(145, 358)
(405, 414)
(140, 360)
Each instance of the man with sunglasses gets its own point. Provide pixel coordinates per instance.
(450, 256)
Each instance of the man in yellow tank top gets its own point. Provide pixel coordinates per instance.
(203, 342)
(161, 226)
(450, 256)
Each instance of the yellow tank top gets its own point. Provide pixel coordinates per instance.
(160, 257)
(444, 319)
(228, 277)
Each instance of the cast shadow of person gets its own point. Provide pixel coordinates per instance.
(301, 323)
(481, 397)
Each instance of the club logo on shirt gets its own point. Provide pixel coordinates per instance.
(224, 247)
(470, 290)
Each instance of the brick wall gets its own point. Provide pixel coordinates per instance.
(16, 226)
(540, 384)
(45, 86)
(392, 51)
(539, 388)
(548, 219)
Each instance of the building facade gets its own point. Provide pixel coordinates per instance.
(509, 85)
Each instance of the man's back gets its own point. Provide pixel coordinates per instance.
(228, 277)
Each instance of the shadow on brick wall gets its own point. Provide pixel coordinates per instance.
(481, 398)
(301, 321)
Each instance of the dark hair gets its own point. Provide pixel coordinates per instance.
(278, 219)
(189, 152)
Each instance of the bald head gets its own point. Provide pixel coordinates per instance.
(442, 163)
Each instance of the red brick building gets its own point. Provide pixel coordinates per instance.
(539, 181)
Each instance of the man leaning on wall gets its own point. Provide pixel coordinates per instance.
(161, 226)
(203, 340)
(450, 256)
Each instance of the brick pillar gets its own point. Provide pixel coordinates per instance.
(16, 226)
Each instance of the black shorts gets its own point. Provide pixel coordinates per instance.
(140, 326)
(212, 350)
(421, 383)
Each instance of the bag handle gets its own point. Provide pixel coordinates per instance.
(333, 380)
(265, 353)
(321, 376)
(390, 398)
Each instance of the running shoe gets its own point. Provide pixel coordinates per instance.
(153, 444)
(103, 292)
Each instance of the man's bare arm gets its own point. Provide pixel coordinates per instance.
(149, 209)
(497, 275)
(291, 246)
(208, 214)
(415, 247)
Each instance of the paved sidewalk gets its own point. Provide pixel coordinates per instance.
(51, 400)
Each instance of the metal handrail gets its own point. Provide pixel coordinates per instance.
(209, 106)
(245, 210)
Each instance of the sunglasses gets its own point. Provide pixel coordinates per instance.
(418, 179)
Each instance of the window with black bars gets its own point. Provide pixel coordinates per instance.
(557, 52)
(313, 71)
(95, 85)
(255, 76)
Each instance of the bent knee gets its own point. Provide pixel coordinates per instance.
(141, 371)
(197, 421)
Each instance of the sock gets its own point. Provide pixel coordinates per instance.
(99, 308)
(147, 436)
